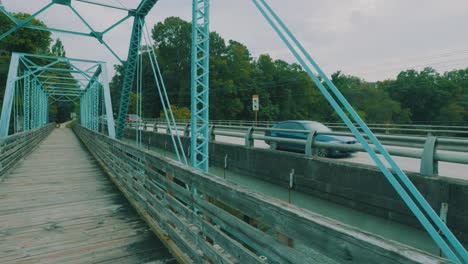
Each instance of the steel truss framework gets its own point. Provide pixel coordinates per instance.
(200, 84)
(139, 15)
(200, 62)
(428, 218)
(34, 82)
(37, 88)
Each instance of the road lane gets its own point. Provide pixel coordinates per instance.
(446, 169)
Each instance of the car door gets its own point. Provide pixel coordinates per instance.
(291, 135)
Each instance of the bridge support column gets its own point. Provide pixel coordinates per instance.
(429, 166)
(200, 84)
(8, 97)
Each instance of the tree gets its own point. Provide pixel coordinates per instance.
(372, 103)
(286, 91)
(58, 49)
(24, 40)
(180, 113)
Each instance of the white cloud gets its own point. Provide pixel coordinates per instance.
(371, 38)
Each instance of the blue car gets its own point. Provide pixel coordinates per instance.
(309, 126)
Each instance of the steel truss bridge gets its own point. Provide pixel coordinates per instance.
(198, 217)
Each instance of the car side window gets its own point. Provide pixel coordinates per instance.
(296, 126)
(292, 126)
(284, 126)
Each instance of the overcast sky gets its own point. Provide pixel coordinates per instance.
(373, 39)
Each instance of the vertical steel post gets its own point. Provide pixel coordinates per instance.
(87, 125)
(130, 66)
(108, 102)
(39, 112)
(200, 84)
(9, 93)
(26, 103)
(96, 106)
(34, 106)
(44, 108)
(81, 110)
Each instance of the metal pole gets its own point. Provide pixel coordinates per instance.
(200, 84)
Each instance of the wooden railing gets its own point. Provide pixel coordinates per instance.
(15, 147)
(206, 219)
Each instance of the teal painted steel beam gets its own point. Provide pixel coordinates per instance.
(9, 94)
(33, 72)
(26, 104)
(446, 241)
(129, 76)
(162, 92)
(56, 70)
(62, 84)
(65, 94)
(104, 5)
(59, 58)
(62, 2)
(6, 13)
(61, 88)
(200, 84)
(131, 64)
(34, 106)
(57, 30)
(38, 86)
(21, 23)
(26, 24)
(116, 24)
(107, 102)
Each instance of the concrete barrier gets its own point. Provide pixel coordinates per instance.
(357, 186)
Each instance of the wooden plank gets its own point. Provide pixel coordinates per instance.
(58, 206)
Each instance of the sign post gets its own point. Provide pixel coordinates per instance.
(255, 106)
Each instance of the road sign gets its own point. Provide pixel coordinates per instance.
(255, 102)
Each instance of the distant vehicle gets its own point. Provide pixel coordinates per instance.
(308, 126)
(133, 118)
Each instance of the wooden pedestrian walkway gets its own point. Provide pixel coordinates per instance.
(57, 206)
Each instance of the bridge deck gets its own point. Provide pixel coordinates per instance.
(59, 207)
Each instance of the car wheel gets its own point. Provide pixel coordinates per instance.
(273, 145)
(323, 153)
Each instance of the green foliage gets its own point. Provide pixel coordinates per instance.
(71, 124)
(180, 113)
(36, 42)
(58, 49)
(24, 40)
(285, 90)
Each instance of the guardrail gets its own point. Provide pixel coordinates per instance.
(429, 149)
(415, 129)
(215, 221)
(15, 147)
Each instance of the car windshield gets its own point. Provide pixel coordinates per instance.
(317, 127)
(133, 116)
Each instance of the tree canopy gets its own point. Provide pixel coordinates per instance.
(286, 91)
(33, 42)
(24, 40)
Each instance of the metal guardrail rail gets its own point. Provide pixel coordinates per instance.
(429, 149)
(417, 129)
(224, 223)
(15, 147)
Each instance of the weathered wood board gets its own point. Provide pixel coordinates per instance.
(57, 206)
